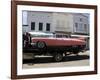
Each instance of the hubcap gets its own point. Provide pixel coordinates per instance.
(58, 57)
(40, 44)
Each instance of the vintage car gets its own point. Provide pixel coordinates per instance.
(49, 43)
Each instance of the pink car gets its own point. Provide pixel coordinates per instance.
(57, 42)
(46, 42)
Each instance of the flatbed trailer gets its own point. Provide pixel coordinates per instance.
(57, 52)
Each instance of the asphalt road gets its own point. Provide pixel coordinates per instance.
(47, 61)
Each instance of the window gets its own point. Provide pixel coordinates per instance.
(81, 19)
(59, 36)
(81, 28)
(40, 26)
(85, 27)
(48, 27)
(76, 26)
(32, 25)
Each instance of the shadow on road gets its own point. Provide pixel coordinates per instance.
(50, 60)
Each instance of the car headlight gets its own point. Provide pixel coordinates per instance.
(33, 44)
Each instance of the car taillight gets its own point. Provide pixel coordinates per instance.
(81, 38)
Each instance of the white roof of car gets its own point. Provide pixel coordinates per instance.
(84, 36)
(40, 33)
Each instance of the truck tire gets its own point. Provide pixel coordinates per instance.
(41, 44)
(58, 57)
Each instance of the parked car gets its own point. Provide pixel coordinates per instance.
(49, 43)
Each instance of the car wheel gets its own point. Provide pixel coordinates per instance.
(58, 57)
(40, 44)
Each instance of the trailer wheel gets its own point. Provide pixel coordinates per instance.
(40, 44)
(58, 57)
(33, 56)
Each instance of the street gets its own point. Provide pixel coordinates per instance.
(47, 61)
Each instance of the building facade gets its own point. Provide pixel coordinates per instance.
(81, 24)
(47, 22)
(52, 22)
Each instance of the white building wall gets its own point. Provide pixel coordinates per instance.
(61, 21)
(25, 28)
(70, 23)
(64, 22)
(81, 21)
(39, 17)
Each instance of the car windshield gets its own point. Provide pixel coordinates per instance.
(41, 34)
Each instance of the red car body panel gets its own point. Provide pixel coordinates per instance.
(60, 41)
